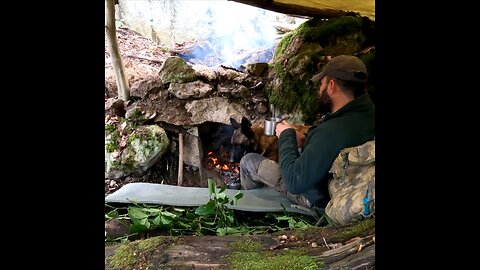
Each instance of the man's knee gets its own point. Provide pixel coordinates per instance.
(251, 161)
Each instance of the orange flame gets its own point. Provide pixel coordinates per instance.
(214, 162)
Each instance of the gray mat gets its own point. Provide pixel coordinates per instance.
(263, 199)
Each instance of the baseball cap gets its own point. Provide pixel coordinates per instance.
(344, 67)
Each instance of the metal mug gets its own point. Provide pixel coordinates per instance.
(270, 125)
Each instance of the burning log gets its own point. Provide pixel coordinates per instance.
(224, 169)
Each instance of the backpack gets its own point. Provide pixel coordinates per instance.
(352, 188)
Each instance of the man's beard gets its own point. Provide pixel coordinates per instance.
(324, 103)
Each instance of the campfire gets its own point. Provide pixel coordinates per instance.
(218, 163)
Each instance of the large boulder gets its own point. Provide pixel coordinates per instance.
(135, 152)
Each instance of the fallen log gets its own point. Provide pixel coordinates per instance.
(301, 247)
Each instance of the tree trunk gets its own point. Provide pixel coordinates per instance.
(117, 64)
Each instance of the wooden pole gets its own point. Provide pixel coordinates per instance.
(117, 64)
(180, 159)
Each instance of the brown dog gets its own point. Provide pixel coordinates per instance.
(247, 138)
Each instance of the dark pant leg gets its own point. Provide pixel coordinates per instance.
(257, 170)
(248, 170)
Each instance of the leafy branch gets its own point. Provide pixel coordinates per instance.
(216, 209)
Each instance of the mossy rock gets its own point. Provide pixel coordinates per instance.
(176, 70)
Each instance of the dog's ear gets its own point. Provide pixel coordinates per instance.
(246, 128)
(234, 123)
(245, 122)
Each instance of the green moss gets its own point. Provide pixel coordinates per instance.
(247, 245)
(111, 146)
(124, 258)
(150, 243)
(358, 229)
(290, 259)
(144, 137)
(109, 128)
(138, 254)
(112, 138)
(135, 118)
(128, 164)
(176, 70)
(295, 92)
(283, 44)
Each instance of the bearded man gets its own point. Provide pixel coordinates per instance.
(302, 172)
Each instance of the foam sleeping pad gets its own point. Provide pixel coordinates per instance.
(265, 199)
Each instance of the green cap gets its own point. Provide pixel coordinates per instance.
(344, 67)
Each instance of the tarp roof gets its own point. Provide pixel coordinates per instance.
(321, 8)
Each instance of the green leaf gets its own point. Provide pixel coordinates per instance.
(230, 219)
(227, 230)
(206, 209)
(152, 210)
(222, 231)
(283, 218)
(190, 216)
(144, 222)
(238, 196)
(223, 189)
(301, 225)
(156, 220)
(178, 209)
(168, 214)
(136, 228)
(211, 186)
(291, 223)
(184, 225)
(222, 196)
(165, 220)
(136, 213)
(112, 214)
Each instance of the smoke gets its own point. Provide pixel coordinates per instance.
(230, 32)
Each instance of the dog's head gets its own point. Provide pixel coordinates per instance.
(243, 139)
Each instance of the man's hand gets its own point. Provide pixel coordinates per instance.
(280, 127)
(300, 136)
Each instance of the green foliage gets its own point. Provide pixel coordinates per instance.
(114, 213)
(219, 215)
(283, 44)
(212, 218)
(147, 218)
